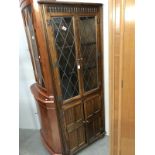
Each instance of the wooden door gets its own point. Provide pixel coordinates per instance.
(91, 67)
(93, 117)
(74, 52)
(122, 82)
(74, 121)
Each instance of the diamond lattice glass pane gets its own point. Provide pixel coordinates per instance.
(88, 51)
(65, 47)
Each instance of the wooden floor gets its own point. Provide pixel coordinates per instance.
(30, 144)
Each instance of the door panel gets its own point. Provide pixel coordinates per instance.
(66, 55)
(81, 135)
(75, 127)
(88, 49)
(73, 140)
(98, 123)
(93, 127)
(76, 138)
(92, 105)
(90, 130)
(89, 108)
(93, 117)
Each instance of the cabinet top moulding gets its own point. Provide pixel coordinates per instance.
(24, 3)
(62, 2)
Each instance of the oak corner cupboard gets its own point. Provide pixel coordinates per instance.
(65, 44)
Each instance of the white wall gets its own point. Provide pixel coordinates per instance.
(27, 113)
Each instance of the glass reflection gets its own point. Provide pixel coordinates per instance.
(89, 52)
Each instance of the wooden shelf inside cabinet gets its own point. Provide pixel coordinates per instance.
(64, 39)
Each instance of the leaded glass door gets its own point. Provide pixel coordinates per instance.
(62, 34)
(64, 40)
(75, 54)
(61, 31)
(89, 55)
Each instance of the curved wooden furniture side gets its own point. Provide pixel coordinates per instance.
(48, 118)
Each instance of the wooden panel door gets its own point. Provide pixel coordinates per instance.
(91, 75)
(64, 57)
(127, 124)
(122, 82)
(93, 117)
(74, 121)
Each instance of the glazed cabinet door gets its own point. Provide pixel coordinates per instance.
(91, 76)
(88, 52)
(63, 55)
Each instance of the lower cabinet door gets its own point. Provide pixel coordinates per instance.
(75, 126)
(83, 122)
(93, 117)
(76, 138)
(93, 127)
(90, 130)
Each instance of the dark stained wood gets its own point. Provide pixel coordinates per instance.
(69, 3)
(70, 125)
(93, 114)
(78, 54)
(74, 121)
